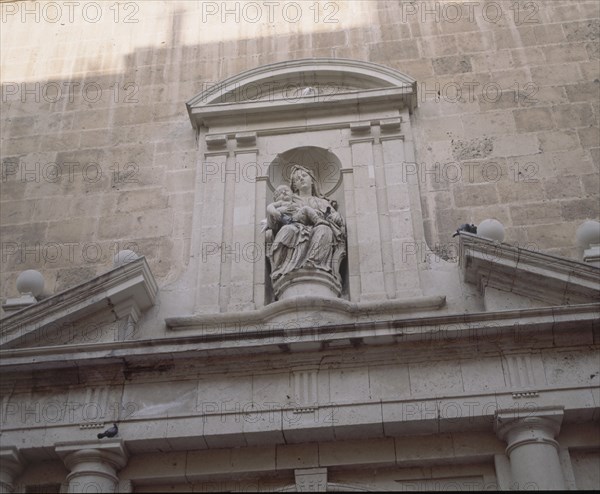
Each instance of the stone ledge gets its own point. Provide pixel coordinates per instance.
(331, 310)
(278, 337)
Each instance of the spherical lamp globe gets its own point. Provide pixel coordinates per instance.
(588, 234)
(123, 257)
(30, 281)
(491, 229)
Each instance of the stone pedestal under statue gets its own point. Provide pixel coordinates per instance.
(307, 282)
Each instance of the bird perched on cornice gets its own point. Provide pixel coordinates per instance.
(110, 432)
(465, 227)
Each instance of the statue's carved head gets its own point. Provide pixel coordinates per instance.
(298, 173)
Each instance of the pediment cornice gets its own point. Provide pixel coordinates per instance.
(278, 88)
(549, 279)
(125, 291)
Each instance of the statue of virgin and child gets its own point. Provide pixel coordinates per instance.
(307, 230)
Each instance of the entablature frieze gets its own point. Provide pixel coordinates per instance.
(216, 425)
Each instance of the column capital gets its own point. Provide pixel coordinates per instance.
(518, 427)
(93, 463)
(11, 465)
(112, 452)
(11, 458)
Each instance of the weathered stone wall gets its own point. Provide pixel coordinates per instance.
(98, 153)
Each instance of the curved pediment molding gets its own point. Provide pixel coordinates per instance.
(302, 83)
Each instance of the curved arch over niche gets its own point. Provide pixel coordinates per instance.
(325, 165)
(327, 80)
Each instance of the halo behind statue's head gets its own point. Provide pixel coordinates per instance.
(315, 185)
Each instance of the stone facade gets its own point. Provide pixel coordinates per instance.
(425, 363)
(528, 155)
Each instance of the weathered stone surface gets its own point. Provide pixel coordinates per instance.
(452, 65)
(473, 149)
(533, 119)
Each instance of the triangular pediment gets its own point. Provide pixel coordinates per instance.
(527, 278)
(308, 83)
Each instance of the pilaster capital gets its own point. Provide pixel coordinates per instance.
(519, 427)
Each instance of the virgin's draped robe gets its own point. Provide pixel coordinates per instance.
(304, 244)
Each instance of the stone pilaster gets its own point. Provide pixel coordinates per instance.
(11, 464)
(532, 448)
(93, 465)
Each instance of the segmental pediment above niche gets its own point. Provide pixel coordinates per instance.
(308, 83)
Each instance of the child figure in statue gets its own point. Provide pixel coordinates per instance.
(289, 211)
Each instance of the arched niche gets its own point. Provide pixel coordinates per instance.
(326, 167)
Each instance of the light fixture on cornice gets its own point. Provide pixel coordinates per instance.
(30, 284)
(588, 237)
(123, 257)
(491, 229)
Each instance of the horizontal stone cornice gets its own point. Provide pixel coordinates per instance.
(196, 342)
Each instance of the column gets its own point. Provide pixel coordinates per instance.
(11, 464)
(93, 465)
(532, 448)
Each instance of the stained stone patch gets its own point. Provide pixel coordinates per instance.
(581, 31)
(452, 65)
(473, 148)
